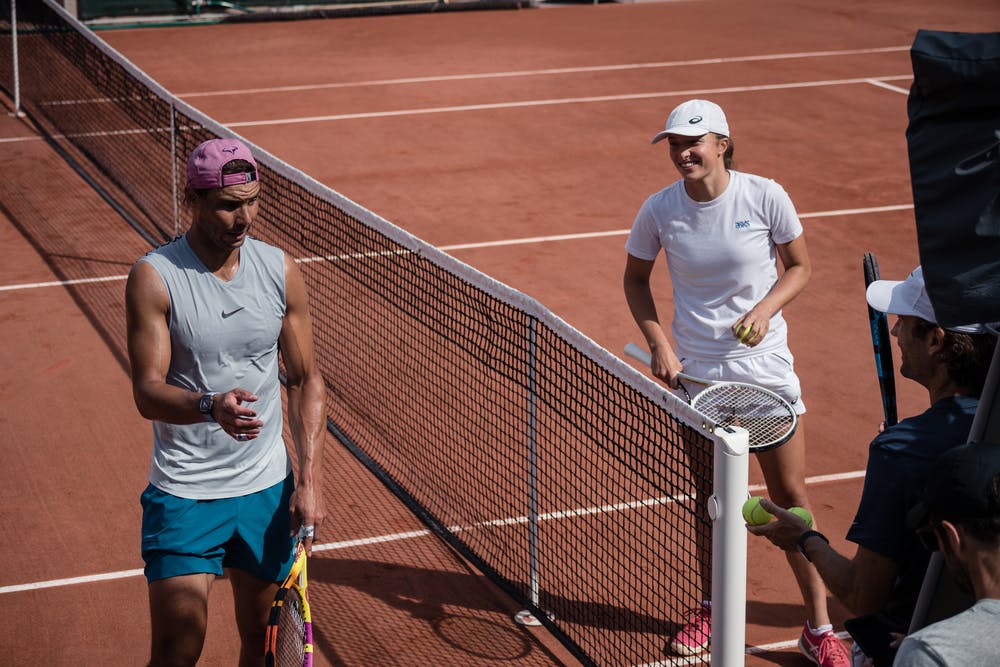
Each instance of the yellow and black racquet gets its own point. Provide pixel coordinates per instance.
(289, 640)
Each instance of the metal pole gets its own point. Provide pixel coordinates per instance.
(525, 617)
(17, 78)
(175, 177)
(729, 547)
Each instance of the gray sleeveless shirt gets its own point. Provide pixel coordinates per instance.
(223, 335)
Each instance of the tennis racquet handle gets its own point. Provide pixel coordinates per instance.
(639, 354)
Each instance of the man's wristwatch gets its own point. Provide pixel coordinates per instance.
(205, 405)
(801, 546)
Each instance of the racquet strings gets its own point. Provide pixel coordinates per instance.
(290, 648)
(766, 418)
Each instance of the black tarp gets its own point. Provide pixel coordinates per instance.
(954, 148)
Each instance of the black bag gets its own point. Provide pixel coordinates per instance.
(954, 148)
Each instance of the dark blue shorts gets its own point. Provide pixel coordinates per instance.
(185, 536)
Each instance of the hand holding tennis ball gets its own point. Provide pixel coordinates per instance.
(803, 514)
(754, 514)
(744, 333)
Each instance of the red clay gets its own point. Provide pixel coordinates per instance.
(75, 451)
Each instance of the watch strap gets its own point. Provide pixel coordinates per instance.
(205, 405)
(801, 546)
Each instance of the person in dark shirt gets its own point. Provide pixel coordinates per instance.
(885, 574)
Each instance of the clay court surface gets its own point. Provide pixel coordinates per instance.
(517, 140)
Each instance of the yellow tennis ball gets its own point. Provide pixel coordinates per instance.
(754, 514)
(803, 514)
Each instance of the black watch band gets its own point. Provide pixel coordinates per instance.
(801, 546)
(205, 405)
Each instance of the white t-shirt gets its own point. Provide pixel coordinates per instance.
(721, 259)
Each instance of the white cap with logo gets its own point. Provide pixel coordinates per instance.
(695, 118)
(909, 297)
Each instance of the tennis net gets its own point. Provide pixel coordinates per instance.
(570, 479)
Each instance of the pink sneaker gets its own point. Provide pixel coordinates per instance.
(694, 637)
(826, 649)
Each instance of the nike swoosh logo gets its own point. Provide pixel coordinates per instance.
(231, 313)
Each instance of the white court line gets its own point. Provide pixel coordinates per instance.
(569, 100)
(396, 537)
(895, 89)
(14, 140)
(875, 81)
(62, 283)
(625, 232)
(484, 244)
(496, 75)
(546, 72)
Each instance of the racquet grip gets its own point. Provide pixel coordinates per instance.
(639, 354)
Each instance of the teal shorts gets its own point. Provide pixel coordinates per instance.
(186, 536)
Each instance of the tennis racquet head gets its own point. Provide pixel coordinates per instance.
(288, 640)
(769, 419)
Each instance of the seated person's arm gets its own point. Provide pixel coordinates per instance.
(862, 584)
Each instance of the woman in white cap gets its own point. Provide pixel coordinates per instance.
(722, 232)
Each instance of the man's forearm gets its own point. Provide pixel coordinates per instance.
(841, 578)
(307, 421)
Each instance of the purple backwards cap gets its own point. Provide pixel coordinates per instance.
(207, 160)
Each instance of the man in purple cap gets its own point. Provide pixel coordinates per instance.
(961, 516)
(208, 315)
(884, 576)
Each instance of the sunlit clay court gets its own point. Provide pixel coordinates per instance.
(505, 479)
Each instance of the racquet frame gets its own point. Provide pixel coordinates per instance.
(776, 402)
(878, 324)
(297, 580)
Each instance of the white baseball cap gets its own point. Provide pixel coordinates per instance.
(695, 118)
(909, 297)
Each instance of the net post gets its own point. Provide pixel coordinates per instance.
(525, 617)
(17, 113)
(174, 171)
(729, 546)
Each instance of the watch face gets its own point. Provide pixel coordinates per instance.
(206, 403)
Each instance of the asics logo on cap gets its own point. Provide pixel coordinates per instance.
(696, 120)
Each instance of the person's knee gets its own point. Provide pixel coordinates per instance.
(178, 649)
(252, 600)
(177, 642)
(179, 618)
